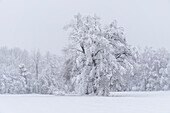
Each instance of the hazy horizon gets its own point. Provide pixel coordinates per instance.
(38, 24)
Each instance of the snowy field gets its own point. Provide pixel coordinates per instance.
(132, 102)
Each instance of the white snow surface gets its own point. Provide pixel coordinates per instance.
(127, 102)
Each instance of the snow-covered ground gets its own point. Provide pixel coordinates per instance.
(131, 102)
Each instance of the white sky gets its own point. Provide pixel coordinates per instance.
(33, 24)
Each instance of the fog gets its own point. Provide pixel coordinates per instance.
(38, 24)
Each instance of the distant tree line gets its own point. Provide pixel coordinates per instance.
(97, 61)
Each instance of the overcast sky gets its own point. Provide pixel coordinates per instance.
(32, 24)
